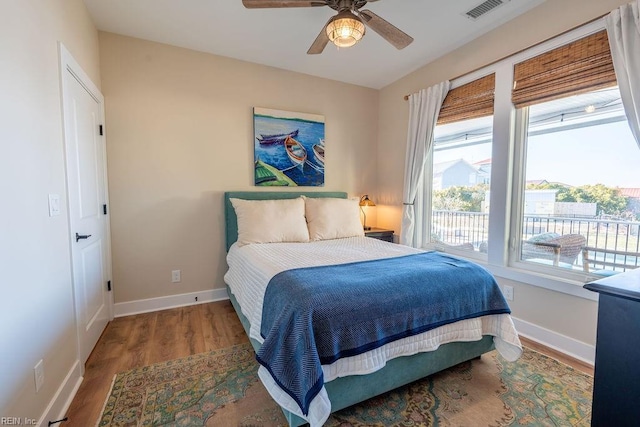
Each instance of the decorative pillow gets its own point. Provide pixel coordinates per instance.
(270, 221)
(331, 218)
(542, 237)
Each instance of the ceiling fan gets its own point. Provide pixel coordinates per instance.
(344, 29)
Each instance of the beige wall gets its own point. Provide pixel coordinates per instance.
(555, 311)
(38, 314)
(561, 313)
(180, 133)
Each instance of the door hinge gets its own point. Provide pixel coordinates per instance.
(109, 285)
(101, 131)
(104, 209)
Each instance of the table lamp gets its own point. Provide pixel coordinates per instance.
(365, 201)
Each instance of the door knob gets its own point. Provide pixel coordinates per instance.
(82, 236)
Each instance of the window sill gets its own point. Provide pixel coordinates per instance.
(530, 274)
(545, 279)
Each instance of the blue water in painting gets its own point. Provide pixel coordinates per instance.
(309, 134)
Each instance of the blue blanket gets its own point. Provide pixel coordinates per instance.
(314, 316)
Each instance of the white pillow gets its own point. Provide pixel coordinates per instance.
(331, 218)
(270, 221)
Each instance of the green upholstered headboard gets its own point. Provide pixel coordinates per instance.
(231, 221)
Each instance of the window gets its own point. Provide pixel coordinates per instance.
(579, 160)
(461, 179)
(576, 158)
(540, 172)
(461, 167)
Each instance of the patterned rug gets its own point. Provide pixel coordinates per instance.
(221, 388)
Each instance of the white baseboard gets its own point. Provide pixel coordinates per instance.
(172, 301)
(58, 406)
(567, 345)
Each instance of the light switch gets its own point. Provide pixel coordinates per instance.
(54, 204)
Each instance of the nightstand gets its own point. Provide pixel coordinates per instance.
(380, 234)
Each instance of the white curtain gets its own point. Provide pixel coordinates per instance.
(424, 108)
(623, 29)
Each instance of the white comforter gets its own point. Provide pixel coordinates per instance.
(252, 266)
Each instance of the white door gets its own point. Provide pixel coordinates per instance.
(87, 200)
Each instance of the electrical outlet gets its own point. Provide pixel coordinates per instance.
(508, 293)
(38, 373)
(175, 276)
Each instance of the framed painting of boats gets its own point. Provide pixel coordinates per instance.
(289, 148)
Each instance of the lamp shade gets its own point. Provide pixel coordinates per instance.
(345, 29)
(365, 201)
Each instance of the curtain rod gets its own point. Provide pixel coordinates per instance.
(406, 97)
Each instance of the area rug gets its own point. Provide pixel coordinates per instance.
(221, 388)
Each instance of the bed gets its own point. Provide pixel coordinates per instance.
(358, 376)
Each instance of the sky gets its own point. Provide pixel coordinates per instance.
(605, 154)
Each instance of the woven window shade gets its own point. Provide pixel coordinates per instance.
(582, 66)
(470, 101)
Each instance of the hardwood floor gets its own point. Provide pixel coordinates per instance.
(141, 340)
(567, 360)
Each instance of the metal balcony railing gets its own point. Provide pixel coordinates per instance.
(610, 244)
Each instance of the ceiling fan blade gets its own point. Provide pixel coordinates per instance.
(390, 33)
(260, 4)
(320, 42)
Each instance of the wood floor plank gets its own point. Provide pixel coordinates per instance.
(191, 329)
(165, 344)
(208, 334)
(140, 340)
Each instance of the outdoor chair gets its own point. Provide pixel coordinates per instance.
(463, 246)
(551, 246)
(607, 262)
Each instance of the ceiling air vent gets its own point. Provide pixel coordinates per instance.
(483, 8)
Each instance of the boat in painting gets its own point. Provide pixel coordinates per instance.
(296, 152)
(263, 174)
(318, 151)
(276, 138)
(269, 176)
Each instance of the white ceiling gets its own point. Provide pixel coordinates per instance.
(281, 37)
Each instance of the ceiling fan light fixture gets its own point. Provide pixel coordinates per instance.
(345, 30)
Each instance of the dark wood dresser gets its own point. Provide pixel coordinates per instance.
(616, 390)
